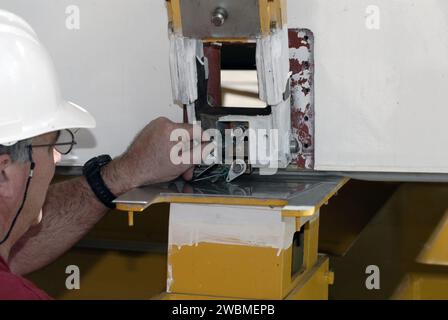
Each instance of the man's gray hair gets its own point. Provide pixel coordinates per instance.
(18, 152)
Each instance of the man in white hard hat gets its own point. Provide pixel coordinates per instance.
(39, 222)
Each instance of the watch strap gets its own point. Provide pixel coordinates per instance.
(92, 173)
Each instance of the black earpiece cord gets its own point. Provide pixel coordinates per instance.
(33, 165)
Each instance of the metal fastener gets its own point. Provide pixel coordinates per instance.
(219, 17)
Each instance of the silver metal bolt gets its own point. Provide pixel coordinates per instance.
(238, 132)
(294, 146)
(238, 168)
(219, 17)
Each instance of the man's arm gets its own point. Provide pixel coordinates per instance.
(71, 208)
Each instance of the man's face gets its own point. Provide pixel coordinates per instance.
(45, 159)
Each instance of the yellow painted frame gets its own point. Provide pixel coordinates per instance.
(246, 272)
(313, 285)
(272, 12)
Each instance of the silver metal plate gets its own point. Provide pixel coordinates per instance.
(306, 191)
(243, 18)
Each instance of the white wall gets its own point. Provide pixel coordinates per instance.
(116, 65)
(381, 95)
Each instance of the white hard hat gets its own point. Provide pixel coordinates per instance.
(30, 99)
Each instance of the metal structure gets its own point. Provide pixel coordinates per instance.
(260, 234)
(260, 23)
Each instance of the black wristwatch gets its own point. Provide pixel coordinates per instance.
(92, 173)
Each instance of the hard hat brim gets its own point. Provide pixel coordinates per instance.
(72, 116)
(68, 116)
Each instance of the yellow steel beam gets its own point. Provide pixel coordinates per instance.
(272, 15)
(435, 250)
(174, 15)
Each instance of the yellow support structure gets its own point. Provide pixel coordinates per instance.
(203, 264)
(210, 270)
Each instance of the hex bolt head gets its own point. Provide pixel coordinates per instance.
(219, 17)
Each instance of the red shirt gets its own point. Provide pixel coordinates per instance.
(14, 287)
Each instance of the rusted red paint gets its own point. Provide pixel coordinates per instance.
(213, 54)
(295, 65)
(299, 38)
(302, 95)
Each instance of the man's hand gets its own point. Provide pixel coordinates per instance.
(147, 160)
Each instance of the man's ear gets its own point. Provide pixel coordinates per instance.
(5, 163)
